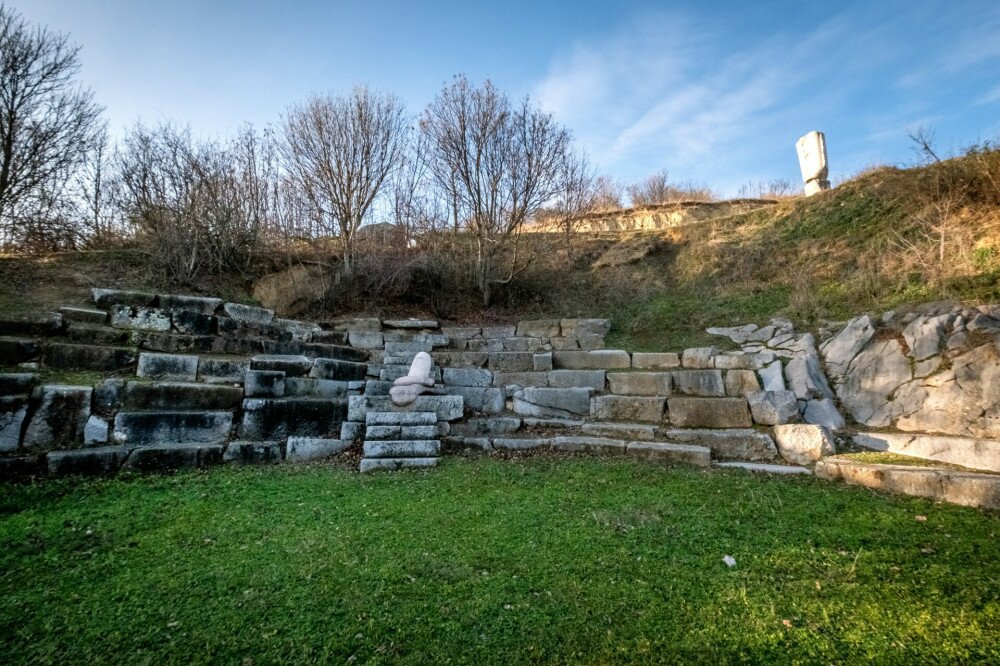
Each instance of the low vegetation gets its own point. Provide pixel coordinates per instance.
(547, 559)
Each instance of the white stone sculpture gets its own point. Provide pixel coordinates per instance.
(417, 381)
(812, 161)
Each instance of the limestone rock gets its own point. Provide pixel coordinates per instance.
(840, 350)
(446, 407)
(304, 449)
(467, 377)
(739, 383)
(824, 412)
(772, 376)
(140, 319)
(973, 453)
(579, 328)
(175, 367)
(805, 377)
(594, 379)
(701, 383)
(871, 379)
(60, 416)
(738, 334)
(667, 452)
(627, 408)
(553, 402)
(628, 431)
(773, 407)
(248, 313)
(96, 431)
(699, 357)
(655, 361)
(600, 359)
(639, 383)
(709, 412)
(803, 444)
(539, 328)
(736, 444)
(924, 335)
(13, 410)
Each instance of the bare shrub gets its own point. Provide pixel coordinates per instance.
(657, 189)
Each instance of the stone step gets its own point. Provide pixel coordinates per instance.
(765, 468)
(583, 444)
(17, 383)
(278, 418)
(627, 408)
(293, 365)
(632, 431)
(168, 427)
(395, 464)
(331, 351)
(393, 432)
(669, 452)
(957, 487)
(446, 407)
(417, 448)
(304, 449)
(89, 462)
(18, 350)
(106, 298)
(172, 367)
(330, 368)
(390, 373)
(487, 426)
(32, 325)
(414, 418)
(96, 334)
(252, 453)
(88, 357)
(739, 444)
(76, 315)
(983, 454)
(168, 456)
(184, 396)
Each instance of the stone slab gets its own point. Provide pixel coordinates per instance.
(640, 383)
(981, 454)
(83, 315)
(374, 418)
(252, 453)
(264, 384)
(421, 448)
(293, 365)
(164, 427)
(186, 396)
(655, 360)
(88, 357)
(600, 359)
(594, 379)
(627, 431)
(553, 402)
(668, 452)
(89, 462)
(106, 298)
(446, 407)
(698, 383)
(734, 444)
(765, 468)
(395, 464)
(222, 371)
(175, 367)
(304, 449)
(577, 444)
(59, 416)
(803, 443)
(519, 443)
(165, 457)
(278, 418)
(627, 408)
(709, 412)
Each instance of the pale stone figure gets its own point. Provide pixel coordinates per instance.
(812, 161)
(417, 381)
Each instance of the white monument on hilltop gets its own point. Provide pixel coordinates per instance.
(812, 161)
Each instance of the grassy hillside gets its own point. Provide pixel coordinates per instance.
(872, 244)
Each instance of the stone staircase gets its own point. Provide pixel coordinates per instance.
(194, 381)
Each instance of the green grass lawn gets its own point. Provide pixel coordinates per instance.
(490, 561)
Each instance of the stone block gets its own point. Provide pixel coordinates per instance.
(739, 383)
(411, 324)
(601, 359)
(772, 376)
(577, 328)
(278, 418)
(594, 379)
(460, 332)
(304, 449)
(199, 304)
(331, 337)
(293, 365)
(165, 457)
(31, 324)
(542, 361)
(106, 298)
(140, 319)
(577, 444)
(532, 422)
(88, 357)
(482, 400)
(264, 384)
(538, 328)
(325, 350)
(512, 361)
(655, 360)
(446, 407)
(18, 350)
(639, 383)
(699, 383)
(96, 431)
(564, 344)
(319, 388)
(108, 395)
(298, 330)
(83, 316)
(517, 344)
(198, 344)
(174, 367)
(736, 444)
(824, 412)
(802, 443)
(460, 359)
(391, 432)
(186, 396)
(252, 453)
(709, 412)
(626, 408)
(164, 427)
(674, 453)
(17, 383)
(395, 464)
(699, 358)
(549, 402)
(367, 324)
(467, 377)
(765, 468)
(519, 379)
(97, 335)
(519, 443)
(591, 342)
(490, 332)
(365, 339)
(399, 419)
(13, 410)
(627, 431)
(805, 377)
(773, 407)
(222, 371)
(192, 323)
(489, 426)
(59, 416)
(89, 462)
(248, 313)
(352, 431)
(423, 448)
(735, 362)
(983, 454)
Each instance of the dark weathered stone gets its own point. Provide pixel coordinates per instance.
(21, 467)
(332, 338)
(83, 316)
(166, 457)
(328, 368)
(48, 323)
(142, 428)
(423, 448)
(175, 367)
(90, 462)
(107, 298)
(192, 323)
(709, 412)
(338, 352)
(319, 388)
(94, 334)
(198, 304)
(512, 361)
(222, 370)
(248, 313)
(178, 344)
(59, 416)
(181, 396)
(17, 383)
(292, 366)
(395, 464)
(377, 418)
(460, 359)
(733, 444)
(254, 453)
(246, 329)
(89, 357)
(13, 410)
(264, 384)
(481, 399)
(558, 402)
(278, 418)
(140, 319)
(18, 350)
(107, 396)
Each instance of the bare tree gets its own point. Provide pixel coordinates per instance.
(607, 194)
(341, 152)
(655, 189)
(48, 124)
(505, 161)
(575, 195)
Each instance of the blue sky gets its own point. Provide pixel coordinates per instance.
(714, 92)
